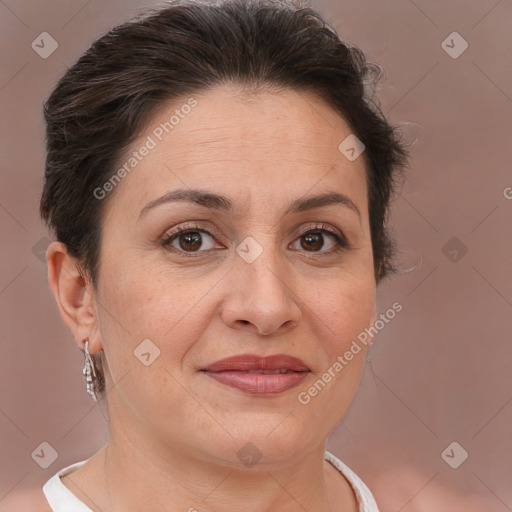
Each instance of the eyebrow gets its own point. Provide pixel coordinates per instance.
(220, 202)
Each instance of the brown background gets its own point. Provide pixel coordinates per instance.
(439, 372)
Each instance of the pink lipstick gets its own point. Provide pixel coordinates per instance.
(259, 375)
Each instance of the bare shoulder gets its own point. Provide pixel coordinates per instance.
(30, 500)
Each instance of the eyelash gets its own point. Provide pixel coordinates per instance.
(342, 242)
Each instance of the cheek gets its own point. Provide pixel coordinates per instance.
(343, 309)
(146, 334)
(352, 314)
(339, 315)
(142, 307)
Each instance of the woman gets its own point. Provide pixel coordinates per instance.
(217, 181)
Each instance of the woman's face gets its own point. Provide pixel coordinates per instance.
(244, 280)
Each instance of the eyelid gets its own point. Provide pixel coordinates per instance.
(321, 226)
(193, 226)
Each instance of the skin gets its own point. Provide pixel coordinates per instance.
(174, 433)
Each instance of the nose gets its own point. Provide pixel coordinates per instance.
(260, 296)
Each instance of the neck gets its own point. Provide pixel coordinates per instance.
(130, 475)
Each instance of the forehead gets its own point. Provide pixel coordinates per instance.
(227, 119)
(266, 143)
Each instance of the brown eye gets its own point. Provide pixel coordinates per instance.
(188, 240)
(314, 241)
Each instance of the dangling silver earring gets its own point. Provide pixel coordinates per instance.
(89, 371)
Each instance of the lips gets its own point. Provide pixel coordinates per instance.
(258, 364)
(258, 375)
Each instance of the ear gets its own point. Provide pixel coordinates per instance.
(74, 296)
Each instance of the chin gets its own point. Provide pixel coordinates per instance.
(265, 441)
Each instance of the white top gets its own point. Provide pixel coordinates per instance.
(61, 499)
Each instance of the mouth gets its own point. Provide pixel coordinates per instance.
(257, 375)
